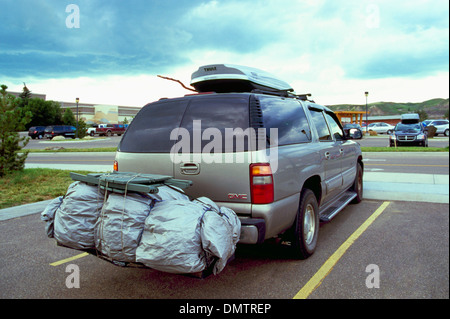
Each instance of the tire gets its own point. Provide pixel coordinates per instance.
(358, 185)
(306, 226)
(109, 133)
(446, 132)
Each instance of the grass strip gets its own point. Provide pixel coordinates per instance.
(73, 150)
(33, 185)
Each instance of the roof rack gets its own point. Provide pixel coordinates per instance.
(285, 93)
(304, 97)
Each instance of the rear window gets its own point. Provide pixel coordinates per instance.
(199, 124)
(217, 124)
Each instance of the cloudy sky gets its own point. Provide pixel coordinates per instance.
(109, 52)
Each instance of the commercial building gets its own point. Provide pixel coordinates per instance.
(95, 113)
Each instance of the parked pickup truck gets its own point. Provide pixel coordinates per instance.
(106, 129)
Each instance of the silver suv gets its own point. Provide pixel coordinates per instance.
(281, 162)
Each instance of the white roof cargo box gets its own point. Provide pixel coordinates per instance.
(411, 118)
(223, 78)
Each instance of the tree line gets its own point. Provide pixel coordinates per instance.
(44, 113)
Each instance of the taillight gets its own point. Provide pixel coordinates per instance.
(261, 181)
(116, 166)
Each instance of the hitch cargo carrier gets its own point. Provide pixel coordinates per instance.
(122, 182)
(143, 220)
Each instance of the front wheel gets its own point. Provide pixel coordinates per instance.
(446, 133)
(358, 184)
(306, 226)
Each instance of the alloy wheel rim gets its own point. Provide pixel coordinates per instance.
(309, 224)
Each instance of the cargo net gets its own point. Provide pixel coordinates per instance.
(143, 220)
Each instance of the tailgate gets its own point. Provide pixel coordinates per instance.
(220, 181)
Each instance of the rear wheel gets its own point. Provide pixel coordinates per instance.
(306, 226)
(446, 132)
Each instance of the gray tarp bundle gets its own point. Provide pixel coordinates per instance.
(120, 225)
(75, 219)
(182, 236)
(165, 231)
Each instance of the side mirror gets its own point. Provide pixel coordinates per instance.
(354, 134)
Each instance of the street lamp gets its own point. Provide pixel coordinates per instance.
(367, 122)
(77, 100)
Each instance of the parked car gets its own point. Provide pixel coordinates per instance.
(108, 130)
(409, 132)
(91, 130)
(381, 127)
(357, 132)
(280, 161)
(60, 130)
(440, 125)
(36, 132)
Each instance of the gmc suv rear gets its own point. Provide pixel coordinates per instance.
(281, 162)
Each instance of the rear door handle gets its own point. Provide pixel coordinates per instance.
(327, 155)
(190, 168)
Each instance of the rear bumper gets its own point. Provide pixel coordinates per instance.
(253, 231)
(260, 222)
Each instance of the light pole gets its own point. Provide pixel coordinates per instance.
(367, 122)
(77, 100)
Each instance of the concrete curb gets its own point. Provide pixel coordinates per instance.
(429, 188)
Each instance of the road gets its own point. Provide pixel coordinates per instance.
(416, 163)
(112, 141)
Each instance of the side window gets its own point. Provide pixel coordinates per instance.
(321, 125)
(288, 118)
(336, 130)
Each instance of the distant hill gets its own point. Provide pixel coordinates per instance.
(435, 108)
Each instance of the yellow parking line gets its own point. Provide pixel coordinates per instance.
(57, 263)
(326, 268)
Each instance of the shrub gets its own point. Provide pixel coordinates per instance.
(431, 131)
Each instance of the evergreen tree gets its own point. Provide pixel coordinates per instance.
(68, 118)
(12, 119)
(26, 93)
(82, 128)
(24, 97)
